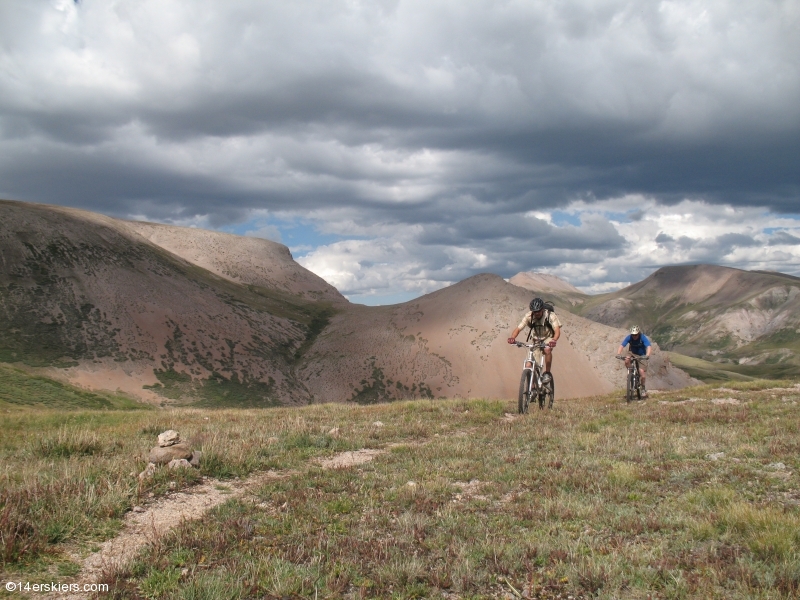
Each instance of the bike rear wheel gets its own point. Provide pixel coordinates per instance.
(524, 392)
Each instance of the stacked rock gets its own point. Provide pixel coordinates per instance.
(171, 451)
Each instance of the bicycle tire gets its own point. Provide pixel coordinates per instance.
(629, 390)
(535, 386)
(524, 393)
(550, 391)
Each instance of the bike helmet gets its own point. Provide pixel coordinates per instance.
(536, 305)
(635, 329)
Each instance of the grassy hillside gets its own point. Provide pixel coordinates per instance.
(715, 371)
(20, 389)
(691, 494)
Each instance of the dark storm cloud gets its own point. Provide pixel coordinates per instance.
(457, 120)
(709, 250)
(780, 238)
(729, 241)
(515, 233)
(623, 119)
(663, 238)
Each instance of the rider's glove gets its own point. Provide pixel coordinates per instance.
(512, 340)
(552, 343)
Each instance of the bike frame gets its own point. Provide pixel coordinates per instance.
(536, 369)
(634, 377)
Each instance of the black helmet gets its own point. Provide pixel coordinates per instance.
(536, 305)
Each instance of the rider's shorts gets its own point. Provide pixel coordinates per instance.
(642, 364)
(536, 351)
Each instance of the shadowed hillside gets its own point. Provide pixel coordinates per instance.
(88, 294)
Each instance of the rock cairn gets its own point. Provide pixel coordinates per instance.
(173, 452)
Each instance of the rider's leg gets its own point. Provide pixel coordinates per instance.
(643, 372)
(548, 359)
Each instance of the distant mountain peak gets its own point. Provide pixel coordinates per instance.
(542, 282)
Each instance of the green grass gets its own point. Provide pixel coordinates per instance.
(710, 372)
(20, 389)
(705, 370)
(675, 497)
(217, 391)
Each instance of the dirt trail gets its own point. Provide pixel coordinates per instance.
(160, 516)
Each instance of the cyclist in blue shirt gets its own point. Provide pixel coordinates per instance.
(640, 346)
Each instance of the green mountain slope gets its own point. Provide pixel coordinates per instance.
(748, 321)
(88, 293)
(20, 389)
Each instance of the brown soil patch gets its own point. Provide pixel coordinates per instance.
(350, 459)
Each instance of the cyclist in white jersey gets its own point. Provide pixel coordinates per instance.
(544, 324)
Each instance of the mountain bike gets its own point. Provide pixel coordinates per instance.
(634, 387)
(531, 384)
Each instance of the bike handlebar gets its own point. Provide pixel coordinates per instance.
(632, 356)
(538, 343)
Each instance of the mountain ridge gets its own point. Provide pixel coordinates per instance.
(183, 316)
(737, 319)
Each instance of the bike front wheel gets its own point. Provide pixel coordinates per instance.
(524, 392)
(541, 391)
(549, 392)
(629, 392)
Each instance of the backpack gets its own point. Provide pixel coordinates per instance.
(549, 308)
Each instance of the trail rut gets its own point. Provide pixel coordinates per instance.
(162, 515)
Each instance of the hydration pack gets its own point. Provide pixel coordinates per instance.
(548, 308)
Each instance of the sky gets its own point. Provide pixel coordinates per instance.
(399, 146)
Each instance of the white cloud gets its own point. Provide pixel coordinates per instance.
(740, 237)
(396, 263)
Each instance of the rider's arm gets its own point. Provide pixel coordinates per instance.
(519, 328)
(621, 349)
(556, 332)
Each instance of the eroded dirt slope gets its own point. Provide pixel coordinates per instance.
(453, 343)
